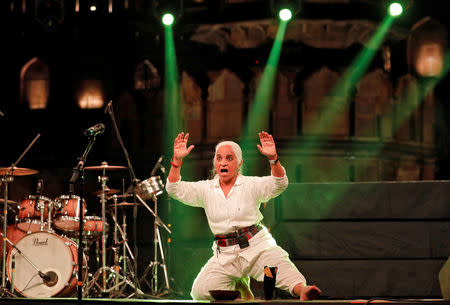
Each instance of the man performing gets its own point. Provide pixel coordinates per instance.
(242, 246)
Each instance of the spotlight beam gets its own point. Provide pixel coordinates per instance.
(340, 93)
(339, 99)
(404, 112)
(172, 97)
(258, 117)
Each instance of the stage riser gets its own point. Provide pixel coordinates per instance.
(380, 239)
(364, 240)
(377, 200)
(351, 278)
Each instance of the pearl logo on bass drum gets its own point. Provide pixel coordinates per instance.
(37, 242)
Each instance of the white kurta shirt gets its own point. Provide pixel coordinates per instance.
(239, 209)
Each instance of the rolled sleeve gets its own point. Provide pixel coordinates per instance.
(270, 186)
(189, 193)
(281, 182)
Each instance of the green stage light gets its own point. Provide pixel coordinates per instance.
(285, 14)
(167, 19)
(395, 9)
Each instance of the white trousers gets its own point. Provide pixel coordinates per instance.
(222, 274)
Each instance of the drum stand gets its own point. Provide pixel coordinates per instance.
(153, 265)
(114, 280)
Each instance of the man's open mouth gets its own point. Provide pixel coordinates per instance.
(224, 170)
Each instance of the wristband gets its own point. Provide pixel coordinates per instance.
(273, 162)
(173, 164)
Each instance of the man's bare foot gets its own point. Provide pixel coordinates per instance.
(307, 292)
(244, 289)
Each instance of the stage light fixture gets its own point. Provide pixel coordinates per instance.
(167, 11)
(168, 19)
(285, 14)
(285, 10)
(395, 9)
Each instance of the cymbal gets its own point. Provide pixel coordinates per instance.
(10, 202)
(105, 166)
(123, 205)
(18, 171)
(107, 192)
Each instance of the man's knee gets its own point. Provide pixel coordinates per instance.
(200, 291)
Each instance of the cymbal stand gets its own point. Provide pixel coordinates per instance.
(115, 241)
(123, 233)
(125, 248)
(7, 178)
(125, 245)
(103, 270)
(153, 265)
(103, 180)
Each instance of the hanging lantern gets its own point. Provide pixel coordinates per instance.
(426, 47)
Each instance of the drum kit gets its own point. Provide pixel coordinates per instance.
(41, 250)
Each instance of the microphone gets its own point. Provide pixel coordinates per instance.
(158, 165)
(94, 130)
(50, 278)
(108, 107)
(44, 276)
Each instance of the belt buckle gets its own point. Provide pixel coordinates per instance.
(243, 241)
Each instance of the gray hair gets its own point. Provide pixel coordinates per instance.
(234, 147)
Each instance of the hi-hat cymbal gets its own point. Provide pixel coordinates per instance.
(107, 192)
(122, 196)
(105, 166)
(18, 171)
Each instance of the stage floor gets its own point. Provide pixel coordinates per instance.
(104, 301)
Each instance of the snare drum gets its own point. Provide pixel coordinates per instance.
(67, 217)
(150, 187)
(34, 212)
(52, 253)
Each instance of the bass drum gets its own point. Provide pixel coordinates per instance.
(14, 235)
(50, 253)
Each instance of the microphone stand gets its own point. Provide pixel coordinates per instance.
(8, 177)
(134, 182)
(79, 169)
